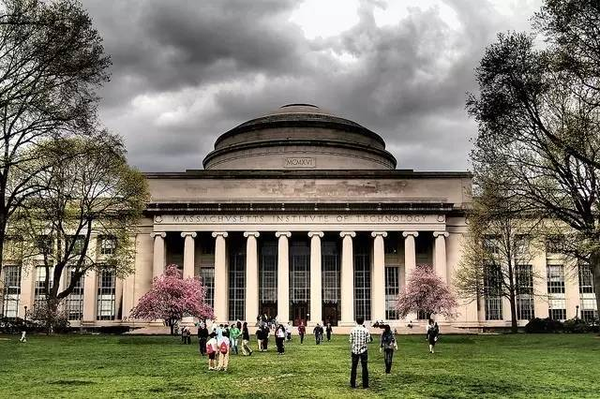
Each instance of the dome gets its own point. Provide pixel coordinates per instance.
(297, 136)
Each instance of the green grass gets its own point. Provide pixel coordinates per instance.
(521, 366)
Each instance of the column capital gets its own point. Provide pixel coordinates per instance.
(283, 234)
(406, 234)
(251, 234)
(223, 234)
(158, 234)
(440, 233)
(192, 234)
(379, 233)
(347, 233)
(319, 234)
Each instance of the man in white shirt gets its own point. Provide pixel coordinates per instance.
(359, 338)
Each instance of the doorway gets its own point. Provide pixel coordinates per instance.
(300, 313)
(331, 313)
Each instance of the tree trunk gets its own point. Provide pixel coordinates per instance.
(595, 268)
(513, 314)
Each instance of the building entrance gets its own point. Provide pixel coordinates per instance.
(300, 313)
(269, 309)
(331, 313)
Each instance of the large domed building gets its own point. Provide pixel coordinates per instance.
(302, 215)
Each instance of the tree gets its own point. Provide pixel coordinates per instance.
(91, 195)
(172, 297)
(498, 249)
(51, 62)
(425, 291)
(539, 122)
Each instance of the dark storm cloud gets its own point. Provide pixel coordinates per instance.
(186, 71)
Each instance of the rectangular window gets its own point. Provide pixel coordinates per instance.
(74, 302)
(76, 244)
(392, 288)
(40, 281)
(556, 279)
(207, 274)
(330, 272)
(106, 294)
(493, 308)
(521, 245)
(237, 285)
(586, 281)
(362, 281)
(44, 245)
(12, 291)
(268, 273)
(491, 245)
(589, 315)
(524, 282)
(299, 273)
(422, 315)
(493, 292)
(108, 245)
(558, 314)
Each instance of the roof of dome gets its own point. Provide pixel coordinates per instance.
(303, 128)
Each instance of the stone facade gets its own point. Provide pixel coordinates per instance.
(302, 215)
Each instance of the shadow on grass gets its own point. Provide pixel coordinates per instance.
(72, 382)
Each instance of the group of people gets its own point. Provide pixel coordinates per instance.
(360, 337)
(223, 339)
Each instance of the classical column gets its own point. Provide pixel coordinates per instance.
(283, 276)
(188, 253)
(159, 257)
(410, 260)
(439, 259)
(378, 276)
(251, 275)
(90, 291)
(220, 276)
(347, 278)
(410, 256)
(315, 279)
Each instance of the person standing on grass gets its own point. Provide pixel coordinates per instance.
(266, 331)
(301, 331)
(433, 332)
(279, 339)
(224, 352)
(259, 338)
(288, 331)
(211, 349)
(359, 338)
(318, 331)
(202, 337)
(246, 351)
(329, 330)
(387, 346)
(234, 333)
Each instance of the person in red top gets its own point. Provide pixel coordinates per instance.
(301, 331)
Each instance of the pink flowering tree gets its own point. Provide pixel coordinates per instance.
(425, 291)
(173, 297)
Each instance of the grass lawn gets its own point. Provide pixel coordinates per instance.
(521, 366)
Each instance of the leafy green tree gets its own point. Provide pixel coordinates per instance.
(538, 112)
(91, 193)
(51, 62)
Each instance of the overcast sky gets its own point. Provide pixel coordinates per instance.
(185, 72)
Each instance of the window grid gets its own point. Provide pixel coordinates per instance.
(524, 280)
(237, 286)
(106, 294)
(77, 246)
(493, 308)
(492, 292)
(74, 302)
(331, 288)
(299, 272)
(392, 288)
(589, 315)
(39, 290)
(12, 291)
(268, 273)
(362, 285)
(108, 245)
(207, 274)
(558, 314)
(556, 279)
(586, 281)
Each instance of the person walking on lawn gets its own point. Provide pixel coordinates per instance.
(234, 334)
(301, 331)
(280, 339)
(211, 349)
(388, 345)
(359, 338)
(329, 330)
(202, 337)
(246, 351)
(433, 332)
